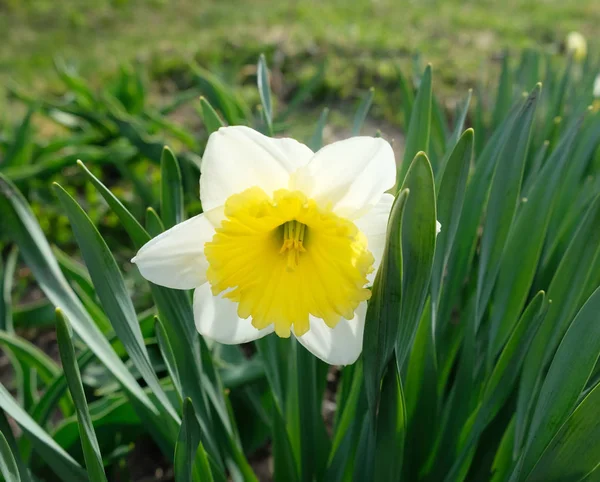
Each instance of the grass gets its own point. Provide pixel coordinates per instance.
(363, 42)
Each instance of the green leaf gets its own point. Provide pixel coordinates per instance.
(111, 291)
(362, 111)
(232, 106)
(575, 449)
(501, 382)
(391, 427)
(167, 353)
(565, 291)
(347, 430)
(439, 131)
(7, 271)
(568, 374)
(365, 453)
(37, 254)
(285, 467)
(176, 312)
(19, 151)
(154, 225)
(417, 136)
(191, 464)
(274, 353)
(450, 199)
(503, 460)
(29, 354)
(422, 400)
(264, 89)
(407, 96)
(134, 229)
(316, 141)
(418, 247)
(474, 205)
(11, 443)
(8, 464)
(42, 410)
(75, 272)
(212, 121)
(503, 199)
(314, 444)
(89, 442)
(524, 247)
(305, 90)
(61, 463)
(384, 309)
(171, 192)
(461, 116)
(504, 95)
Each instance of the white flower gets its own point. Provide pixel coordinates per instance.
(576, 46)
(596, 90)
(288, 242)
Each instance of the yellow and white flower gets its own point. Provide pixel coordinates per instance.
(289, 240)
(576, 46)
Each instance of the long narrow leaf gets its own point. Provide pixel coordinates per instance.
(113, 295)
(89, 442)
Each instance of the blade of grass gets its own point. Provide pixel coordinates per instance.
(61, 463)
(38, 256)
(190, 463)
(11, 443)
(417, 136)
(418, 247)
(7, 271)
(391, 427)
(362, 111)
(501, 382)
(176, 311)
(524, 247)
(384, 309)
(502, 205)
(113, 295)
(212, 121)
(264, 90)
(316, 141)
(565, 292)
(575, 450)
(154, 225)
(450, 199)
(568, 374)
(461, 116)
(89, 442)
(8, 464)
(171, 193)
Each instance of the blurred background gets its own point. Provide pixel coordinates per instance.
(364, 41)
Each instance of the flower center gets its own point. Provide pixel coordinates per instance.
(284, 259)
(293, 237)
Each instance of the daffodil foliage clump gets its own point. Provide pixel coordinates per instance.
(327, 313)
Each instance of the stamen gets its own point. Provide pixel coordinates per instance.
(293, 238)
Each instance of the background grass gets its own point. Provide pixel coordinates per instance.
(363, 40)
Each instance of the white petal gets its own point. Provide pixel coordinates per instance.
(338, 346)
(175, 258)
(351, 175)
(374, 227)
(216, 318)
(237, 158)
(438, 227)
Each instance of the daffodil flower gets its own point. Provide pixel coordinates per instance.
(289, 240)
(576, 46)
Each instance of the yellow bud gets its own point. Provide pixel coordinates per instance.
(576, 46)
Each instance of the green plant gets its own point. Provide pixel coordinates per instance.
(480, 353)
